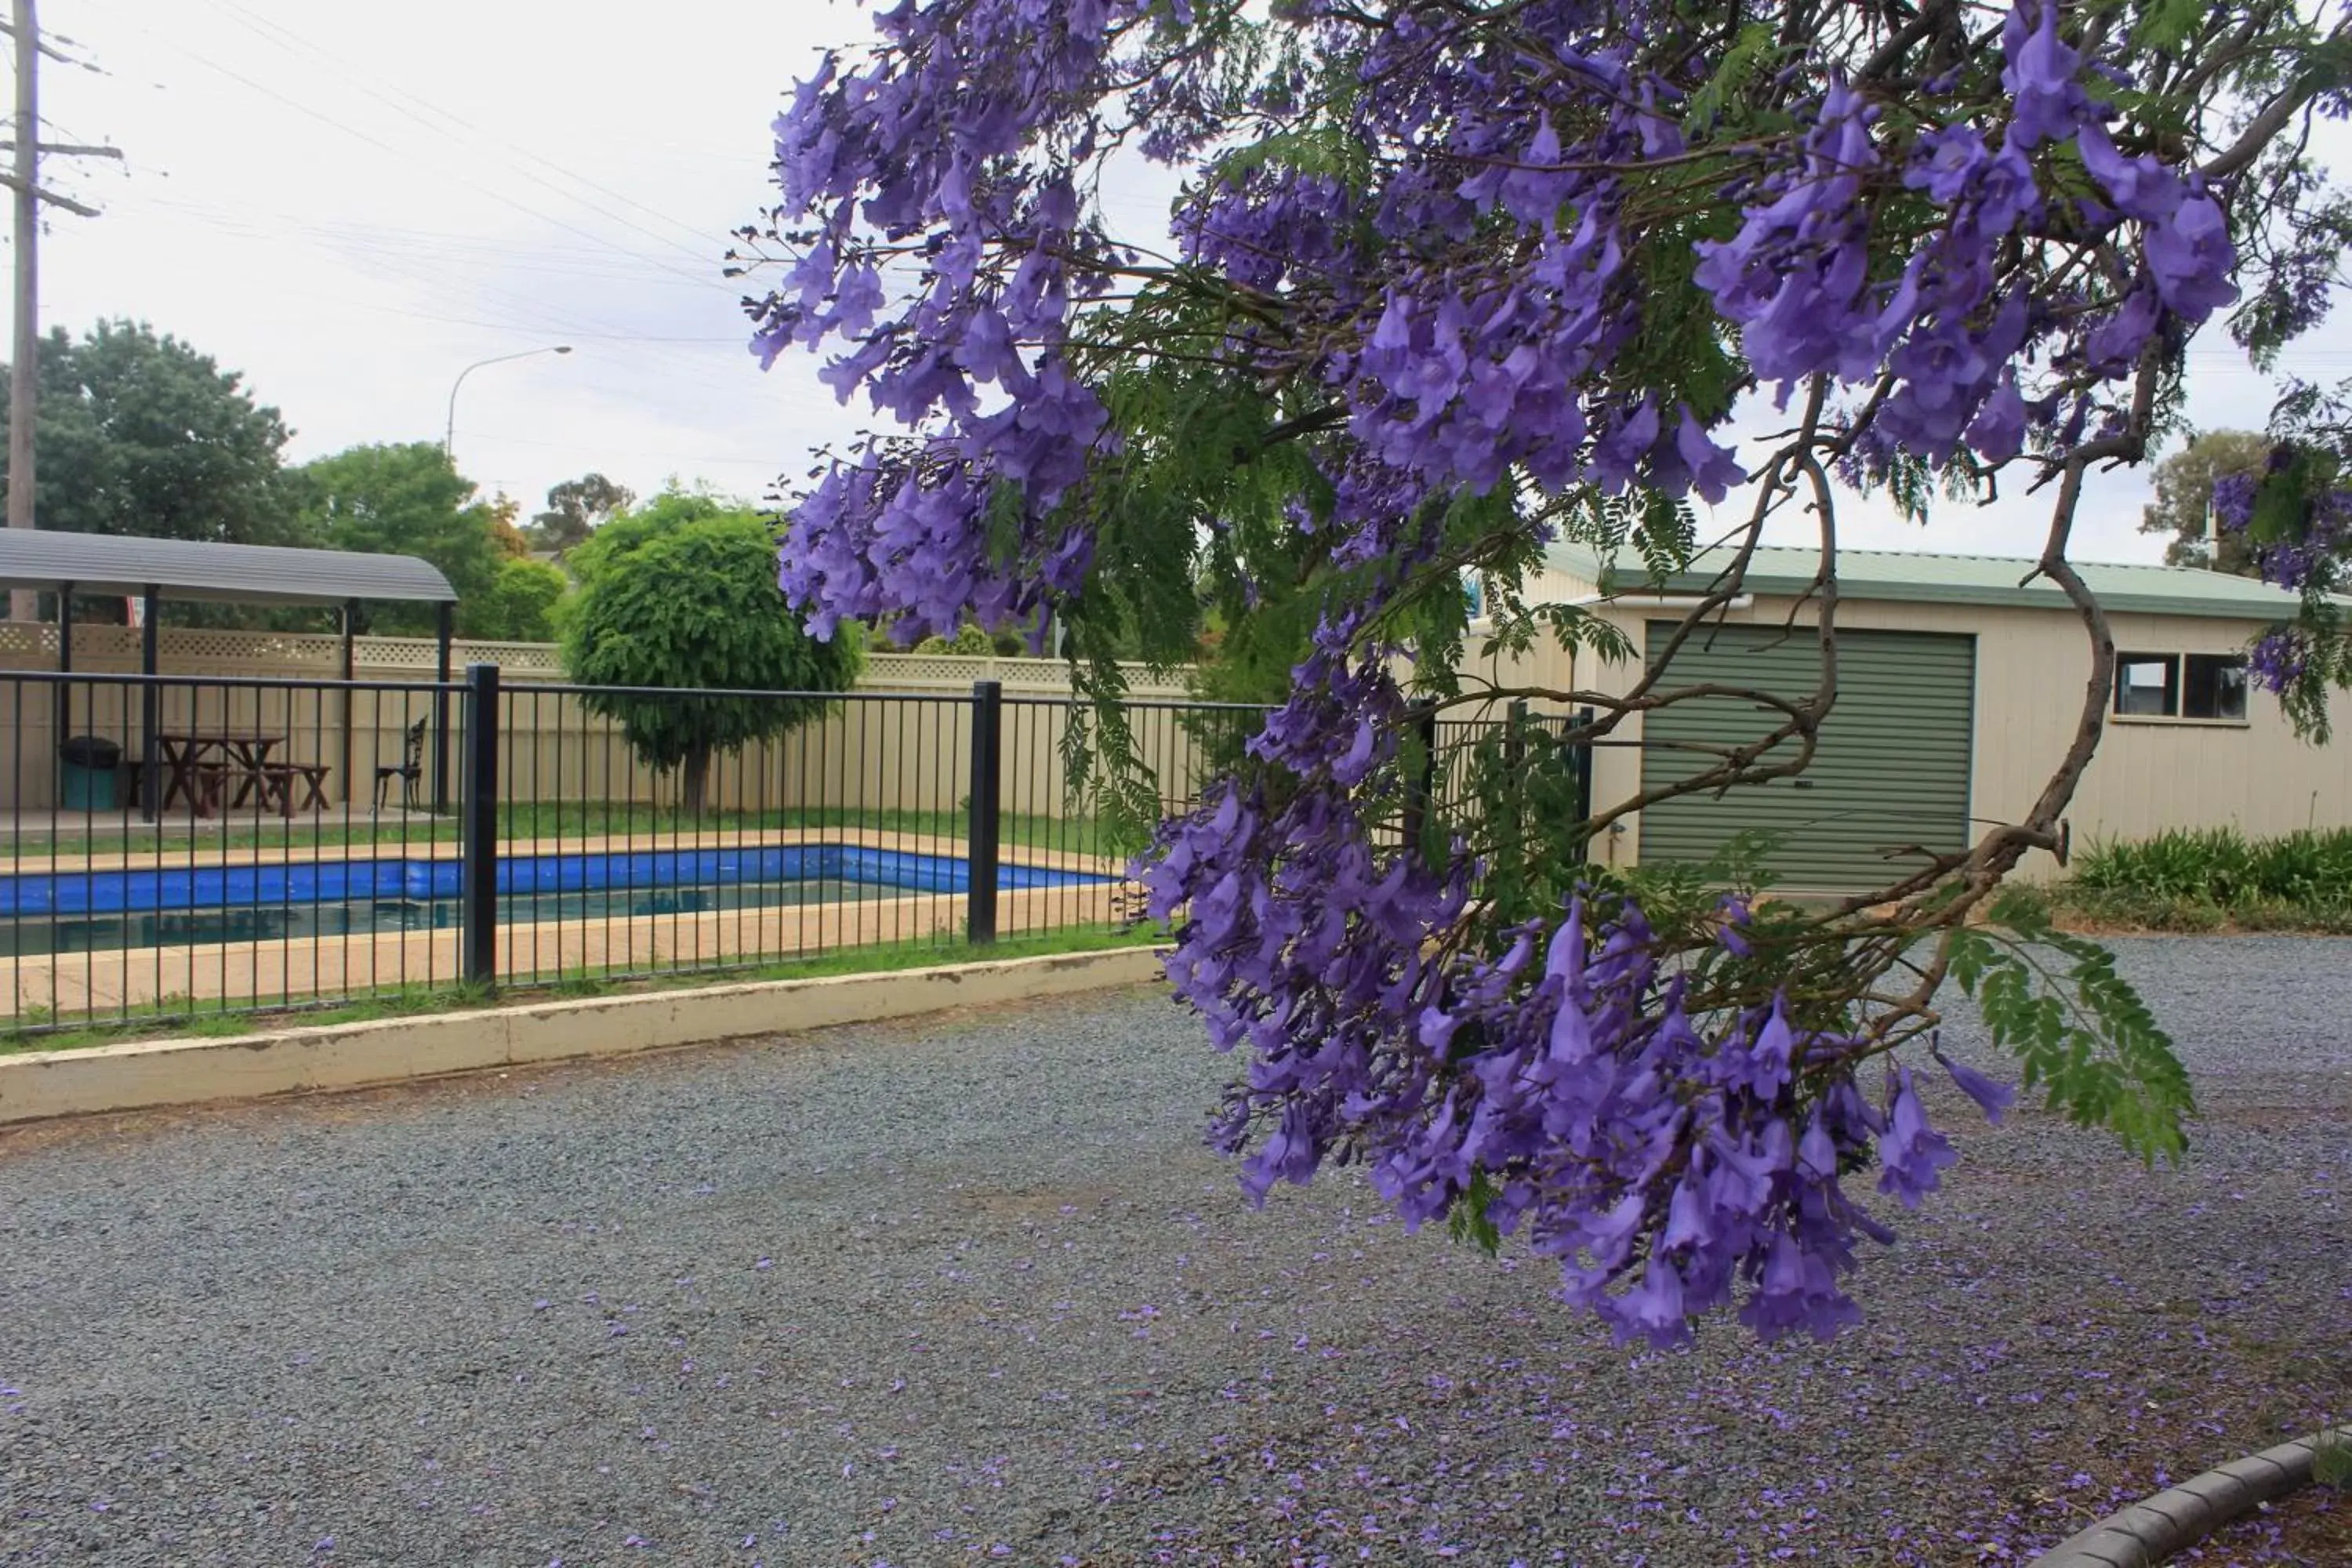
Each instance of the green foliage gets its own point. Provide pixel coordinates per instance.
(408, 499)
(969, 642)
(2184, 494)
(1468, 1220)
(683, 594)
(2169, 24)
(520, 603)
(141, 435)
(2081, 1033)
(2202, 880)
(1749, 54)
(2331, 1461)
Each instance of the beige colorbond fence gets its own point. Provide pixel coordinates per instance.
(552, 747)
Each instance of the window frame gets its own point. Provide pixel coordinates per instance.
(2189, 687)
(2170, 712)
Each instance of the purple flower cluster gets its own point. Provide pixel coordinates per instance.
(1671, 1162)
(941, 182)
(2278, 659)
(2309, 559)
(1456, 242)
(912, 170)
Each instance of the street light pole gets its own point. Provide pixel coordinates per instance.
(449, 438)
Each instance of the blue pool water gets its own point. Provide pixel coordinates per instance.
(81, 911)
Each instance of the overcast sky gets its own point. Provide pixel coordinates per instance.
(351, 203)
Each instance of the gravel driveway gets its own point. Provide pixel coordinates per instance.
(971, 1289)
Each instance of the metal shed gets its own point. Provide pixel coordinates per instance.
(154, 569)
(1961, 686)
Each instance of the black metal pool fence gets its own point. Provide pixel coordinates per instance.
(186, 845)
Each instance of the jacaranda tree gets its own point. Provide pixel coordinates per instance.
(1452, 280)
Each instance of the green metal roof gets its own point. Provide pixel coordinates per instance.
(1918, 577)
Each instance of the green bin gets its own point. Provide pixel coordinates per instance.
(86, 766)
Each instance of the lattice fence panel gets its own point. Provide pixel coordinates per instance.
(315, 656)
(946, 671)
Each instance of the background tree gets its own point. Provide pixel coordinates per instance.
(683, 594)
(408, 499)
(2184, 494)
(140, 434)
(1450, 283)
(520, 604)
(575, 509)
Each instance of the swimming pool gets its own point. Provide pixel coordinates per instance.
(96, 909)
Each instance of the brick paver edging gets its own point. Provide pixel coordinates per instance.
(2177, 1518)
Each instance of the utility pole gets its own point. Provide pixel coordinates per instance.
(24, 367)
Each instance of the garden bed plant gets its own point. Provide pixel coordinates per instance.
(2212, 879)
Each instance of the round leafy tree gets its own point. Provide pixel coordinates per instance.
(682, 594)
(1450, 281)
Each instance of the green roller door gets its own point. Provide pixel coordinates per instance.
(1892, 769)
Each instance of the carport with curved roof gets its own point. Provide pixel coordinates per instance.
(151, 571)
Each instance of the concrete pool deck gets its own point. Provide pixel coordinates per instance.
(297, 970)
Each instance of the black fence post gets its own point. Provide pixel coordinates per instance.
(1581, 759)
(445, 622)
(1420, 782)
(983, 807)
(478, 875)
(151, 703)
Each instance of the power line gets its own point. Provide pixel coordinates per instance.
(381, 145)
(398, 99)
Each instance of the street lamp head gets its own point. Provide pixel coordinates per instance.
(450, 433)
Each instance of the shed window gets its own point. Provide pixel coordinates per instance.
(2214, 687)
(2147, 685)
(2181, 686)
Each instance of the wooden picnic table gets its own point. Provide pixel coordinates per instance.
(199, 765)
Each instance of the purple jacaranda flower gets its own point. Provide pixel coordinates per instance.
(1732, 918)
(2140, 187)
(1532, 192)
(1912, 1153)
(1713, 470)
(2234, 499)
(1817, 1150)
(2191, 257)
(2277, 660)
(1617, 453)
(1771, 1056)
(1992, 1096)
(1998, 432)
(2004, 194)
(1357, 762)
(2115, 342)
(2039, 73)
(1652, 1310)
(1945, 163)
